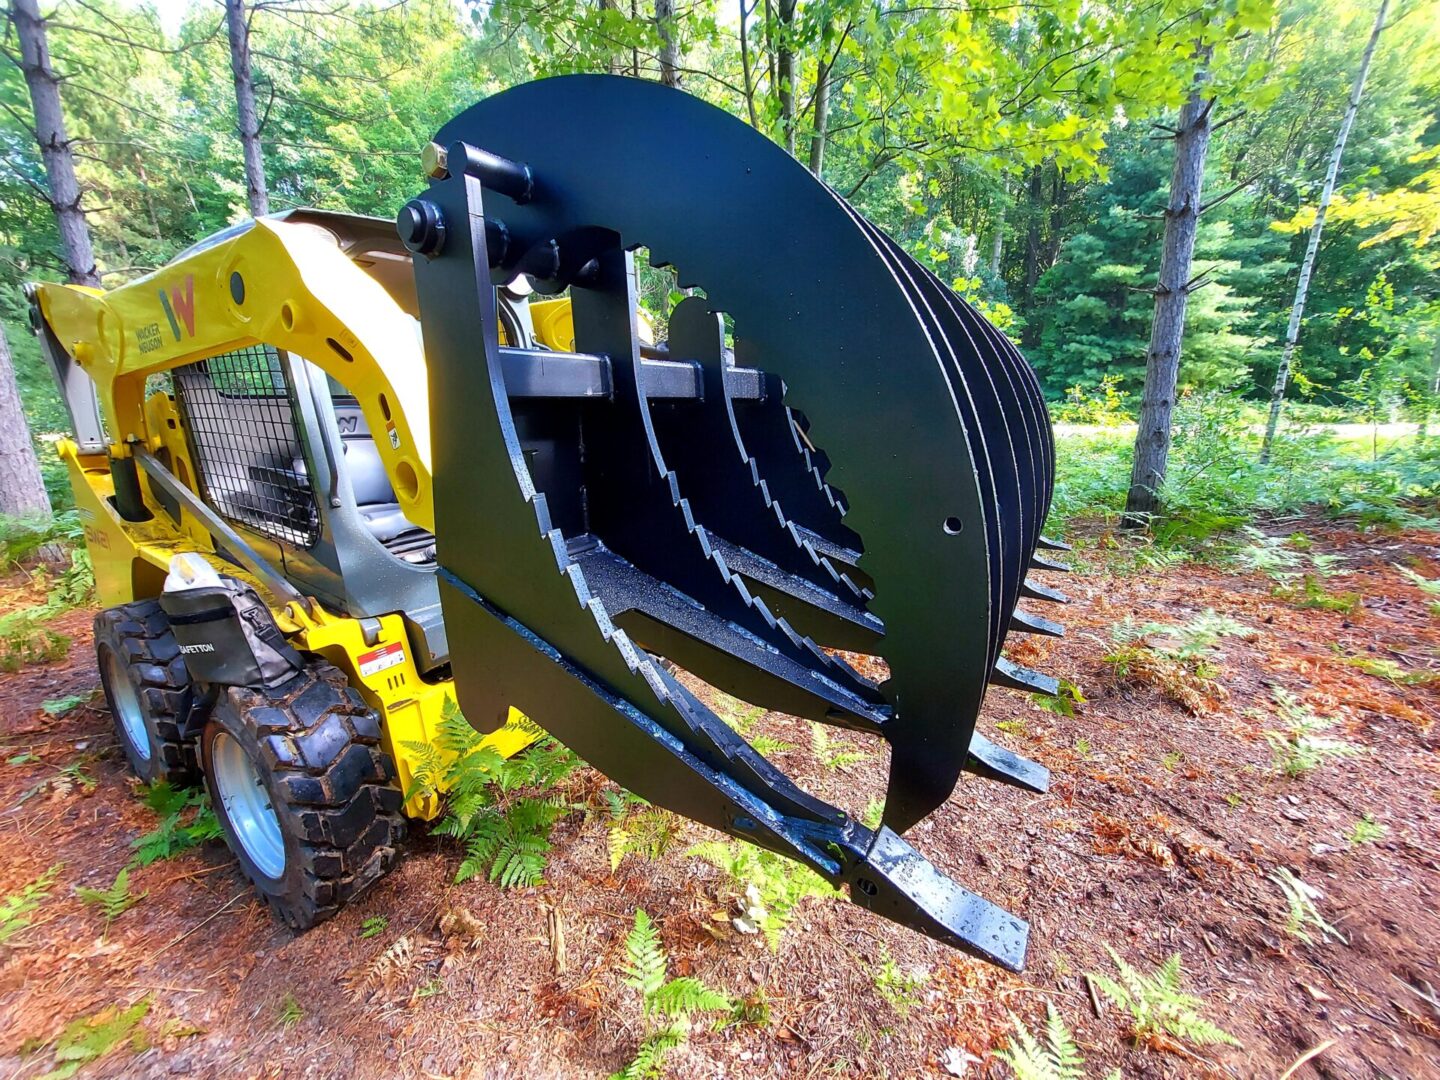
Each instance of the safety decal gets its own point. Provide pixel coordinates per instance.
(387, 656)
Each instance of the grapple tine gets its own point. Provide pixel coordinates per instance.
(1040, 562)
(1035, 624)
(1033, 591)
(994, 762)
(1014, 677)
(1054, 545)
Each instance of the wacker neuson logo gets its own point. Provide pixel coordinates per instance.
(203, 647)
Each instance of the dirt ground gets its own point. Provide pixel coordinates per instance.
(1160, 834)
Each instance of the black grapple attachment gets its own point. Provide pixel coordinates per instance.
(831, 453)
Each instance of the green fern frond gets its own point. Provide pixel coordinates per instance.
(687, 995)
(114, 901)
(1057, 1059)
(645, 958)
(1157, 1003)
(649, 1062)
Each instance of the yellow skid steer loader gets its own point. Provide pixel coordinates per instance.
(334, 471)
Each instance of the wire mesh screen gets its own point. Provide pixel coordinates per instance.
(239, 413)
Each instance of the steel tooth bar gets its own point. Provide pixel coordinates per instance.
(1040, 562)
(725, 489)
(707, 775)
(1054, 545)
(636, 504)
(1027, 623)
(994, 762)
(1014, 677)
(1032, 591)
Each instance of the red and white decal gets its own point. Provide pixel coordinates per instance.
(387, 656)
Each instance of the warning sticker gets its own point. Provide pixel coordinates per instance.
(393, 433)
(387, 656)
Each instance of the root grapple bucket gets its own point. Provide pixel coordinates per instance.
(859, 464)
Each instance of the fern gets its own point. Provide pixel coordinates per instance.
(16, 909)
(768, 886)
(833, 753)
(645, 959)
(114, 901)
(672, 1002)
(1057, 1058)
(174, 834)
(1300, 898)
(506, 836)
(508, 846)
(1157, 1004)
(648, 832)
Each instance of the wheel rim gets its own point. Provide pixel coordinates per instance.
(247, 805)
(126, 700)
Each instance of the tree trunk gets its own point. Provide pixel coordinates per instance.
(822, 118)
(1307, 267)
(613, 65)
(785, 72)
(746, 68)
(1434, 391)
(247, 119)
(1162, 363)
(998, 249)
(665, 26)
(1030, 335)
(40, 77)
(22, 491)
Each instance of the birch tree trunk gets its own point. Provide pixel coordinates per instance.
(1167, 330)
(669, 49)
(247, 119)
(785, 72)
(22, 491)
(1307, 267)
(44, 85)
(746, 67)
(822, 118)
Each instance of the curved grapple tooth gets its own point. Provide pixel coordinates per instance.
(1054, 545)
(1040, 562)
(1014, 677)
(1033, 591)
(1026, 623)
(994, 762)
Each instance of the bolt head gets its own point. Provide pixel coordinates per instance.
(436, 161)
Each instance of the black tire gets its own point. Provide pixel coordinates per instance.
(314, 746)
(141, 667)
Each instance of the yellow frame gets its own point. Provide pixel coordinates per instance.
(284, 284)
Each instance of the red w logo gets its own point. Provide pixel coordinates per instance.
(180, 303)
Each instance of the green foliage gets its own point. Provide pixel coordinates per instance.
(16, 909)
(374, 926)
(26, 639)
(496, 806)
(667, 1005)
(57, 707)
(290, 1013)
(1382, 667)
(834, 753)
(1106, 406)
(1062, 703)
(187, 821)
(644, 830)
(768, 886)
(1158, 1005)
(1366, 830)
(114, 901)
(90, 1038)
(22, 538)
(900, 988)
(1302, 915)
(1056, 1058)
(1310, 595)
(1301, 747)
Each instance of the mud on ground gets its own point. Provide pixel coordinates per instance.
(1161, 833)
